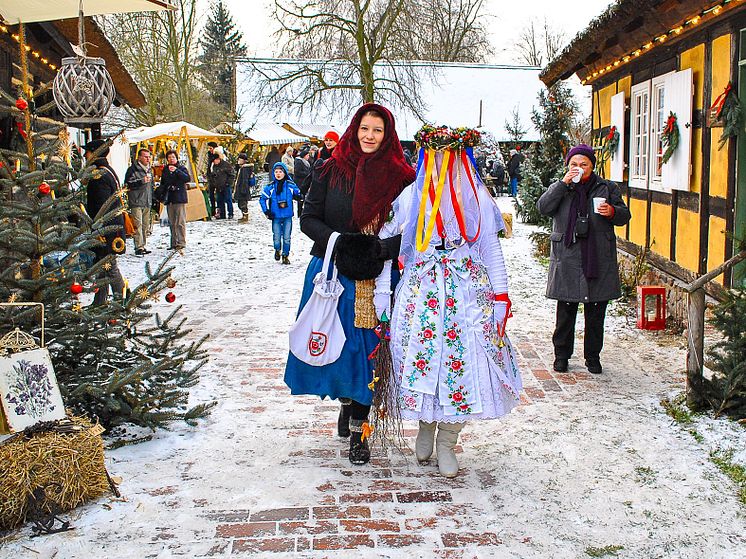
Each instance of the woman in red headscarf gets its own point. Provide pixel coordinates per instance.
(352, 194)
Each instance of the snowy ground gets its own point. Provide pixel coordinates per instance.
(587, 462)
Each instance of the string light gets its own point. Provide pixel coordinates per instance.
(35, 54)
(660, 39)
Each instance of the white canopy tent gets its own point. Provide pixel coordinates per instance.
(180, 132)
(271, 134)
(30, 11)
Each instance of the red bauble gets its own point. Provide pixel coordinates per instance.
(21, 104)
(76, 288)
(44, 189)
(170, 297)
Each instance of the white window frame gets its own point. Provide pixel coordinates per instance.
(639, 130)
(657, 121)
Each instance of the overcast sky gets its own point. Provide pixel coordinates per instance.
(505, 22)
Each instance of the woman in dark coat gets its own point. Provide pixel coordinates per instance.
(583, 263)
(352, 194)
(172, 192)
(102, 185)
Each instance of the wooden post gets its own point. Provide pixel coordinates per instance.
(695, 352)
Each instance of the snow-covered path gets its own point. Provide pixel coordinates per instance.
(587, 461)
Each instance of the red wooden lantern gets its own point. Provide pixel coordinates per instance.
(651, 307)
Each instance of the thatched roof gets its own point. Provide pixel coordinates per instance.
(99, 46)
(622, 28)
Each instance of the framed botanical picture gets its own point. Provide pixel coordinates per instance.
(28, 389)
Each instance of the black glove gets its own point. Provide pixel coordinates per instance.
(358, 256)
(298, 197)
(269, 214)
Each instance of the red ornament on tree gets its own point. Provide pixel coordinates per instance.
(44, 189)
(76, 288)
(170, 297)
(21, 104)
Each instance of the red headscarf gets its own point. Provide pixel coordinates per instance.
(375, 179)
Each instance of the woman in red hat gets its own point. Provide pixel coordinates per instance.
(352, 193)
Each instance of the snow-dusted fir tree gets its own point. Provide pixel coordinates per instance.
(220, 43)
(117, 362)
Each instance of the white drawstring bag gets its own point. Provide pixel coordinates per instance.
(317, 337)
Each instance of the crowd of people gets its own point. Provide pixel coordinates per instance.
(418, 264)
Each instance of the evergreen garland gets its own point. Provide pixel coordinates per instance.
(727, 108)
(670, 137)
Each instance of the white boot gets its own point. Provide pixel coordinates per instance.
(447, 438)
(423, 446)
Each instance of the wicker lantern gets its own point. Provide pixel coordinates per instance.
(83, 90)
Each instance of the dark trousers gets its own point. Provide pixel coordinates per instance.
(564, 331)
(359, 411)
(213, 207)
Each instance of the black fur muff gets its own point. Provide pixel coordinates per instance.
(358, 256)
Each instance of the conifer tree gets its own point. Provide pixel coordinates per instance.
(553, 120)
(118, 362)
(221, 42)
(726, 390)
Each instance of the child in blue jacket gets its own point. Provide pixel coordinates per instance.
(277, 204)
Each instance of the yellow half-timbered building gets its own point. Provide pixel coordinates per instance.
(648, 60)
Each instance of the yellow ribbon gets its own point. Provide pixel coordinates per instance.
(367, 431)
(424, 234)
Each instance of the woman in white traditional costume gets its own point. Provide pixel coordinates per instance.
(452, 360)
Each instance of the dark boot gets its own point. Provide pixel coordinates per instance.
(277, 255)
(285, 260)
(359, 450)
(343, 421)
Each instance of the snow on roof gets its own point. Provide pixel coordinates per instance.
(311, 130)
(271, 134)
(170, 130)
(453, 98)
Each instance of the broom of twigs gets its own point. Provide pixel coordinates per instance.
(387, 424)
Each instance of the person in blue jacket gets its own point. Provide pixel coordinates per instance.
(277, 204)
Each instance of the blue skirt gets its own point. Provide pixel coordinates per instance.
(348, 376)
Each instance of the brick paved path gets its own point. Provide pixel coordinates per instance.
(584, 461)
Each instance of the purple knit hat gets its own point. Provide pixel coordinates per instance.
(581, 149)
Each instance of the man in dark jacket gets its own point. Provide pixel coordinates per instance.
(221, 179)
(102, 185)
(514, 170)
(583, 268)
(245, 181)
(302, 176)
(139, 182)
(274, 156)
(210, 158)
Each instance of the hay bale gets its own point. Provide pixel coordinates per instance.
(73, 460)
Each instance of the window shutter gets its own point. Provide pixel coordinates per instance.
(616, 172)
(678, 99)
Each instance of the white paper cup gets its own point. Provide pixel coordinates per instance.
(578, 175)
(597, 202)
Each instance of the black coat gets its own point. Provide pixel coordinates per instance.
(566, 280)
(326, 210)
(221, 175)
(302, 174)
(102, 185)
(244, 182)
(173, 185)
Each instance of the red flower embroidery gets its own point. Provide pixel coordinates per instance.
(451, 334)
(456, 364)
(427, 334)
(420, 364)
(432, 303)
(457, 396)
(314, 345)
(450, 302)
(464, 407)
(446, 273)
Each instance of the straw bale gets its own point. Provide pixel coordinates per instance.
(73, 460)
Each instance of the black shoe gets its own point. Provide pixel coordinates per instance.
(343, 421)
(594, 365)
(141, 252)
(359, 450)
(560, 365)
(146, 251)
(285, 259)
(277, 255)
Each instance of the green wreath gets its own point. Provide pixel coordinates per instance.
(670, 137)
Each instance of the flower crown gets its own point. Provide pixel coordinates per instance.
(443, 137)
